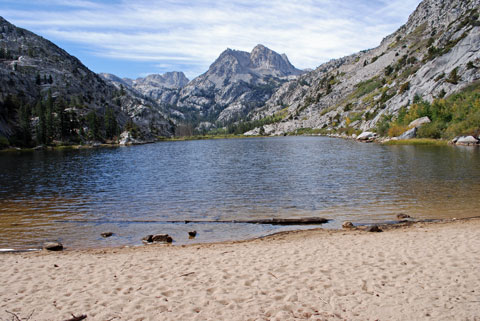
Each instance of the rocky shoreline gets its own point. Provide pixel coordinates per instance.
(401, 221)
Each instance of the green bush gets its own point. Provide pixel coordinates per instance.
(431, 130)
(458, 114)
(366, 87)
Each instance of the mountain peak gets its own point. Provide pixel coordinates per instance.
(263, 58)
(260, 47)
(171, 79)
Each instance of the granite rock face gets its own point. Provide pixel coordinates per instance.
(440, 40)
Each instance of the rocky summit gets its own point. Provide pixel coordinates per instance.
(48, 95)
(236, 83)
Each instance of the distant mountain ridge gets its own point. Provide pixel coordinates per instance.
(235, 83)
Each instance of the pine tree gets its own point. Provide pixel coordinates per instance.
(49, 118)
(62, 120)
(111, 126)
(24, 114)
(42, 126)
(93, 126)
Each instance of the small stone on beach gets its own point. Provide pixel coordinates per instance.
(348, 224)
(374, 228)
(402, 216)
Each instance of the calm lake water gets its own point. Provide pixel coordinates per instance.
(75, 195)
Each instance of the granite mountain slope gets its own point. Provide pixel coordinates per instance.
(436, 53)
(31, 67)
(161, 90)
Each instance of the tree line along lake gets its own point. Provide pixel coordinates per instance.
(75, 195)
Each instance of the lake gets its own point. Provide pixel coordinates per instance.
(74, 195)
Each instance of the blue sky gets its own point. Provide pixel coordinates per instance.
(139, 37)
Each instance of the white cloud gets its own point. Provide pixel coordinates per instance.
(195, 33)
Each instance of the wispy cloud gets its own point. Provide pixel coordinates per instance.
(191, 34)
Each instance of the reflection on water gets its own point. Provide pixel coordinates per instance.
(75, 195)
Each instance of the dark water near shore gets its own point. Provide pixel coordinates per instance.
(77, 194)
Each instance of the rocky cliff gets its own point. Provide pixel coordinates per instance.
(436, 53)
(32, 68)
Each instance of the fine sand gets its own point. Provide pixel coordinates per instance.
(422, 272)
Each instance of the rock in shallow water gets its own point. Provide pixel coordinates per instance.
(53, 246)
(157, 238)
(106, 234)
(192, 234)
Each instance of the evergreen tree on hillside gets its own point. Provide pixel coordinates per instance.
(62, 120)
(49, 117)
(93, 126)
(111, 126)
(24, 114)
(42, 124)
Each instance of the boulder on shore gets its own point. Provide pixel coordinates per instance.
(366, 136)
(409, 134)
(465, 140)
(374, 228)
(419, 122)
(126, 138)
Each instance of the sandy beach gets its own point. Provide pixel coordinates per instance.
(422, 272)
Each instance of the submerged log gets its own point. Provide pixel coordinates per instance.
(288, 221)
